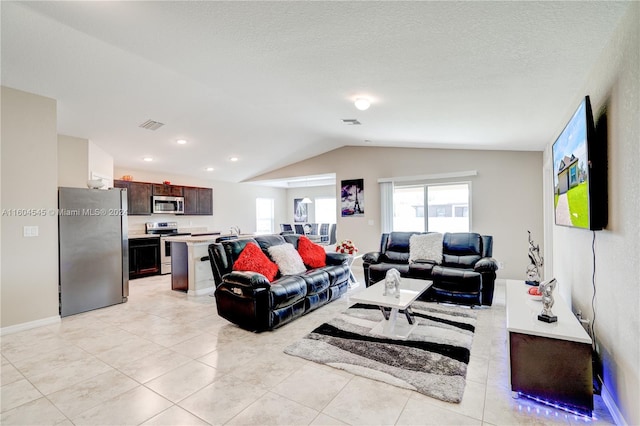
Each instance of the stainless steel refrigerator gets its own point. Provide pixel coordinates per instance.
(93, 249)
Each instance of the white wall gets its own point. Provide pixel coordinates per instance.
(613, 83)
(79, 160)
(506, 193)
(234, 204)
(73, 161)
(100, 163)
(29, 169)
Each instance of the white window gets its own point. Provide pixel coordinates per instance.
(447, 208)
(264, 216)
(325, 210)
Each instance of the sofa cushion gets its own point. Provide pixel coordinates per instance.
(461, 249)
(252, 259)
(312, 254)
(287, 290)
(397, 247)
(457, 279)
(266, 241)
(317, 280)
(421, 269)
(426, 247)
(337, 273)
(287, 258)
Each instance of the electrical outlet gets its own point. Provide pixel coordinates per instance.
(500, 265)
(30, 231)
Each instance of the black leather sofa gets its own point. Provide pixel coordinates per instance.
(466, 275)
(249, 300)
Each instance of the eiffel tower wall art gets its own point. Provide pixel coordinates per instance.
(352, 195)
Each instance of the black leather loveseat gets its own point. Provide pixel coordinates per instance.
(249, 300)
(466, 275)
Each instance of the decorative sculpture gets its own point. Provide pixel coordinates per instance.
(534, 270)
(546, 288)
(392, 283)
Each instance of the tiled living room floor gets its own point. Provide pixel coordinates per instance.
(167, 359)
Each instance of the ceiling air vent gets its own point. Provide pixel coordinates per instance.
(151, 125)
(351, 121)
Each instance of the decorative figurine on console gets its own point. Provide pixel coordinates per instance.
(534, 270)
(392, 283)
(546, 288)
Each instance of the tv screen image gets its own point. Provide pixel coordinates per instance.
(577, 189)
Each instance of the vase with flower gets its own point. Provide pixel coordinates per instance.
(347, 247)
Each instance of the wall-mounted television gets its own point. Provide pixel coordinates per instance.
(580, 172)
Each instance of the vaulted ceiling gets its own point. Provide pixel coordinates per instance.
(271, 82)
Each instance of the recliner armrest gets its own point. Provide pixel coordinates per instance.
(337, 258)
(247, 280)
(371, 257)
(486, 264)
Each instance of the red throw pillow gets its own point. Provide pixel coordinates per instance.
(252, 259)
(311, 253)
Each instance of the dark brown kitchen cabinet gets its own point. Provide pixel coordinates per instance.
(205, 201)
(167, 190)
(144, 257)
(198, 201)
(138, 196)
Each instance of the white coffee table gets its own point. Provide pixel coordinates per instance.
(410, 290)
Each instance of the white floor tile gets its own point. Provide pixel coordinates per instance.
(165, 358)
(175, 416)
(183, 381)
(272, 409)
(130, 408)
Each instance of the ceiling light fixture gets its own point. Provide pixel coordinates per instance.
(234, 159)
(209, 169)
(181, 141)
(148, 159)
(362, 104)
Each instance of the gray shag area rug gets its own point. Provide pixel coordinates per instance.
(432, 360)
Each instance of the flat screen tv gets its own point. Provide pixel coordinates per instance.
(580, 172)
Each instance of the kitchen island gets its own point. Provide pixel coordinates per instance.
(190, 267)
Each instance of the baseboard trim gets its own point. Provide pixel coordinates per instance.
(608, 400)
(201, 292)
(29, 325)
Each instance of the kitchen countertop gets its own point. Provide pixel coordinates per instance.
(202, 238)
(136, 236)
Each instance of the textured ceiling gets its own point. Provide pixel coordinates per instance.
(270, 82)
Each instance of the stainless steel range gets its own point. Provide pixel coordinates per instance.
(164, 229)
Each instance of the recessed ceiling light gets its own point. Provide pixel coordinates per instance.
(209, 169)
(148, 159)
(233, 159)
(181, 141)
(362, 103)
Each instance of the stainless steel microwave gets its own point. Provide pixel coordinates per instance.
(162, 204)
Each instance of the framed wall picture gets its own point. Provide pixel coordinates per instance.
(300, 212)
(352, 197)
